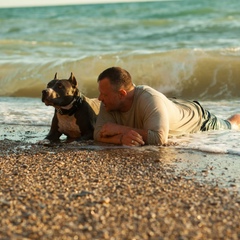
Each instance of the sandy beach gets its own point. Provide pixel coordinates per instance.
(184, 49)
(73, 191)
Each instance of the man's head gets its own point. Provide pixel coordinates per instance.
(114, 85)
(117, 76)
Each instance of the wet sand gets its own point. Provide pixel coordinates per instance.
(88, 191)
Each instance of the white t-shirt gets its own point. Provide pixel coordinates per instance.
(153, 111)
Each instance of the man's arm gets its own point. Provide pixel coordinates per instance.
(123, 135)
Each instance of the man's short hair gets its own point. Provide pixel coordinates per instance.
(117, 76)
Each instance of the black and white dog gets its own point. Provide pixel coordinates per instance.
(75, 114)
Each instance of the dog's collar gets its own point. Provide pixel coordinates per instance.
(71, 108)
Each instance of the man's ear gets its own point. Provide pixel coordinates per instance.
(122, 92)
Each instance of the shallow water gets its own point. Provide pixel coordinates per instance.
(31, 113)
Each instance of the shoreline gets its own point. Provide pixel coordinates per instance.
(216, 169)
(70, 191)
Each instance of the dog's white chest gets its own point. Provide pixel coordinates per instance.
(67, 125)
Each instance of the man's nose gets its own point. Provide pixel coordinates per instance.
(99, 97)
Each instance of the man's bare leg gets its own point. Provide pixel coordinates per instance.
(235, 121)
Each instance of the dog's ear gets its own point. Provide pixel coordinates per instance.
(56, 76)
(73, 80)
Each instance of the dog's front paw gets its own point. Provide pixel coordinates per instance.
(44, 142)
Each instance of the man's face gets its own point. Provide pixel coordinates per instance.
(108, 95)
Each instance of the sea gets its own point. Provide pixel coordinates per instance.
(186, 49)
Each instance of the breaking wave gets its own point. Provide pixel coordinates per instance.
(184, 73)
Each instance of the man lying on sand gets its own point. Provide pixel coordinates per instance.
(137, 115)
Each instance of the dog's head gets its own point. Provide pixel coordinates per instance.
(60, 92)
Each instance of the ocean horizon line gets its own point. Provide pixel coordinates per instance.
(29, 4)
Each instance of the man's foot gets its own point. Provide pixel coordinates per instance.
(235, 121)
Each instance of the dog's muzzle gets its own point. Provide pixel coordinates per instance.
(49, 92)
(48, 95)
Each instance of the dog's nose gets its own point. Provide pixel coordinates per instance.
(44, 94)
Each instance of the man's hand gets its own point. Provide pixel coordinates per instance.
(110, 129)
(132, 138)
(125, 135)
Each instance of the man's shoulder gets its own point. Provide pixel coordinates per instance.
(143, 87)
(147, 91)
